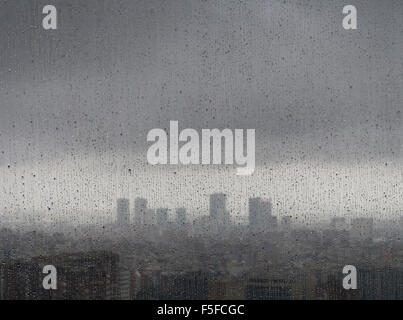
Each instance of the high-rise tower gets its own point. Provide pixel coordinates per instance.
(123, 212)
(140, 208)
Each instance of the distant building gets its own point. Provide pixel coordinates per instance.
(140, 208)
(21, 280)
(380, 283)
(286, 223)
(218, 204)
(189, 285)
(260, 217)
(125, 284)
(269, 289)
(362, 228)
(80, 276)
(180, 219)
(123, 212)
(162, 216)
(204, 225)
(218, 209)
(339, 224)
(150, 217)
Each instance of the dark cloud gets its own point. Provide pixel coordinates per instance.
(115, 69)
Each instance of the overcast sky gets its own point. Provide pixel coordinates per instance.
(76, 103)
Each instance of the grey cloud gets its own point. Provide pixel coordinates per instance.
(116, 69)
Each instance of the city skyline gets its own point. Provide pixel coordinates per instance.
(260, 217)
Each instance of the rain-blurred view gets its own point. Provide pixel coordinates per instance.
(303, 96)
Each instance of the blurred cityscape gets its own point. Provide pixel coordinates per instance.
(157, 253)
